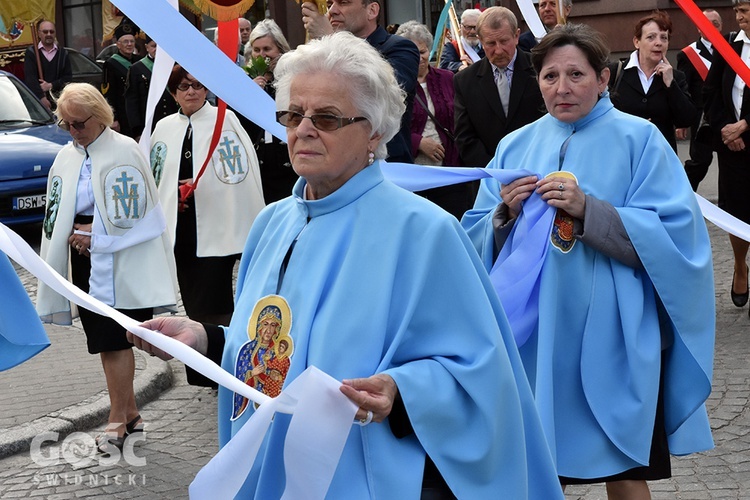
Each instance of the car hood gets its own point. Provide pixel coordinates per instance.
(29, 152)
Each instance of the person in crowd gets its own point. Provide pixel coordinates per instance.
(136, 93)
(695, 60)
(267, 41)
(432, 138)
(729, 115)
(618, 355)
(115, 76)
(245, 28)
(497, 95)
(647, 85)
(423, 363)
(549, 13)
(360, 17)
(109, 230)
(450, 58)
(210, 224)
(54, 61)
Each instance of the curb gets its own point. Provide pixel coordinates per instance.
(150, 381)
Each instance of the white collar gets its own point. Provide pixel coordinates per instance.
(742, 37)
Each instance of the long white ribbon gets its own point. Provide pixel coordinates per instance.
(163, 64)
(531, 16)
(322, 415)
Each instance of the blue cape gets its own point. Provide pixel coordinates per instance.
(595, 357)
(382, 281)
(22, 335)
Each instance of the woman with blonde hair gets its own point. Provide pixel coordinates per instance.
(109, 228)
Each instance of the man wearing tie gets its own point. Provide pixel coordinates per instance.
(695, 61)
(496, 95)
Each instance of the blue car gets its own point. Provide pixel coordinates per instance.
(29, 142)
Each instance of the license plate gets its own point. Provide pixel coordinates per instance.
(29, 202)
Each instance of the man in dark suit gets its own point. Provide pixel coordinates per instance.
(136, 93)
(550, 16)
(480, 116)
(360, 18)
(695, 61)
(115, 75)
(54, 61)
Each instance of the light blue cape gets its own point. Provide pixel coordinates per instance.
(382, 281)
(594, 359)
(22, 335)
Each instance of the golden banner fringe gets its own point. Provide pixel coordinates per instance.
(224, 12)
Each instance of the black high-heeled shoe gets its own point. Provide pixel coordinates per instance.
(134, 426)
(108, 441)
(739, 299)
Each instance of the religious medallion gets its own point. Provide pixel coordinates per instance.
(562, 229)
(263, 361)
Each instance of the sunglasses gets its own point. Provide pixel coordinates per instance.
(76, 125)
(185, 86)
(321, 121)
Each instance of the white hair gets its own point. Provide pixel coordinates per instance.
(470, 12)
(372, 84)
(267, 27)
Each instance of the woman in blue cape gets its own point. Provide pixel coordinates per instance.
(378, 288)
(621, 323)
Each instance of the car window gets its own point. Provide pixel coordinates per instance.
(18, 103)
(79, 63)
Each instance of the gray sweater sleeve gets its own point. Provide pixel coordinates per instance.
(602, 229)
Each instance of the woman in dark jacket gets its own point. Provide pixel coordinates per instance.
(268, 42)
(432, 140)
(728, 110)
(647, 86)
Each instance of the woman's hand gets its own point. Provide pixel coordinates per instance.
(732, 131)
(665, 70)
(515, 193)
(261, 81)
(564, 193)
(375, 394)
(316, 24)
(189, 332)
(80, 242)
(432, 149)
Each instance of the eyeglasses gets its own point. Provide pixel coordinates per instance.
(468, 27)
(185, 86)
(76, 125)
(320, 121)
(47, 32)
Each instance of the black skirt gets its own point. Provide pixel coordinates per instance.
(659, 465)
(102, 334)
(205, 282)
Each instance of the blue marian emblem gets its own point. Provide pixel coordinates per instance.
(124, 196)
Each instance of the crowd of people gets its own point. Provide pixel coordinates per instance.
(601, 368)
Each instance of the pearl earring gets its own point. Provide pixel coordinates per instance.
(370, 157)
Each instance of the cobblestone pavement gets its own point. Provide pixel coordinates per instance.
(181, 425)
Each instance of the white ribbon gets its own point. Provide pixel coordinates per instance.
(531, 16)
(469, 50)
(322, 415)
(163, 64)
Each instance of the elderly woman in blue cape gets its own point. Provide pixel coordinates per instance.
(618, 342)
(385, 293)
